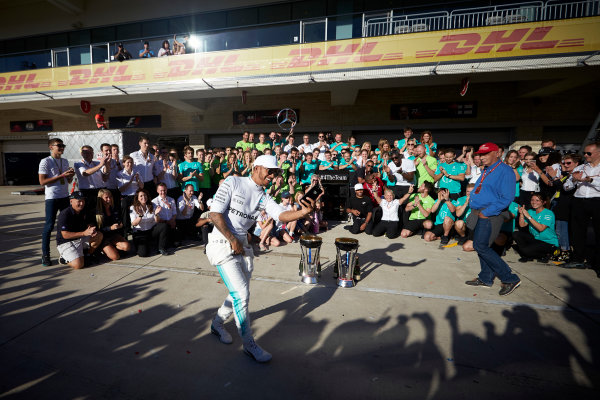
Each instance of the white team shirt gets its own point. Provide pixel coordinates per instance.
(52, 167)
(530, 181)
(93, 181)
(586, 190)
(241, 200)
(147, 221)
(123, 177)
(168, 207)
(168, 178)
(322, 149)
(390, 210)
(306, 148)
(145, 165)
(112, 183)
(181, 205)
(406, 166)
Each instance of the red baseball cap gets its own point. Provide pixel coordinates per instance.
(487, 148)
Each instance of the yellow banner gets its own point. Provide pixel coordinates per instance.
(487, 43)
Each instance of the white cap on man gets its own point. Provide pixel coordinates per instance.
(266, 161)
(358, 186)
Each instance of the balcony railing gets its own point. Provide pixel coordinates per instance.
(336, 27)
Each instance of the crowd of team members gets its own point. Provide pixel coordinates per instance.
(402, 188)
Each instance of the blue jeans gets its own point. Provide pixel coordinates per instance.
(491, 263)
(562, 231)
(53, 206)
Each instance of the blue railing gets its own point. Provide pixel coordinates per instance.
(322, 29)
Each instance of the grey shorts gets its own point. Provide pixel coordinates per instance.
(73, 249)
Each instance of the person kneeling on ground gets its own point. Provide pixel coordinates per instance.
(74, 233)
(146, 231)
(388, 224)
(361, 209)
(284, 231)
(109, 223)
(418, 208)
(444, 219)
(186, 208)
(465, 235)
(168, 210)
(541, 240)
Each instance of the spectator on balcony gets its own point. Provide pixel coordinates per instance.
(122, 54)
(100, 122)
(165, 49)
(179, 47)
(146, 52)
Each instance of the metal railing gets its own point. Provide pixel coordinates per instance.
(394, 24)
(560, 10)
(496, 15)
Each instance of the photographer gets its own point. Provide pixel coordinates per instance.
(122, 54)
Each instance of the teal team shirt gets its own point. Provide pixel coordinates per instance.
(338, 146)
(328, 164)
(309, 170)
(544, 217)
(431, 149)
(459, 202)
(442, 213)
(509, 226)
(455, 168)
(351, 165)
(186, 168)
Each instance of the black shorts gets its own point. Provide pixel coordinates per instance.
(414, 225)
(438, 230)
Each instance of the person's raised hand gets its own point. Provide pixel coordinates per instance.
(157, 210)
(577, 176)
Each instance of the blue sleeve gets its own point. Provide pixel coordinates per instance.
(505, 192)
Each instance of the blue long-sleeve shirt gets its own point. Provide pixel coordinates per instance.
(497, 190)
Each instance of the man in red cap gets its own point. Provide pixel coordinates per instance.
(494, 191)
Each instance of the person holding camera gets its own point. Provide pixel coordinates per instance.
(122, 54)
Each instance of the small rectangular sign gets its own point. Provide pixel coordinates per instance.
(142, 121)
(260, 117)
(433, 110)
(31, 126)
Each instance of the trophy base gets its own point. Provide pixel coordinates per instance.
(345, 283)
(311, 280)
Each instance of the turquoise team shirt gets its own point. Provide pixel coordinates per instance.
(509, 226)
(309, 170)
(459, 202)
(442, 213)
(544, 217)
(338, 146)
(186, 168)
(431, 149)
(351, 165)
(520, 171)
(455, 168)
(328, 165)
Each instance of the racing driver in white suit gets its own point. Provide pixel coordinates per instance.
(235, 208)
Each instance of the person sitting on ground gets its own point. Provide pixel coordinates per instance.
(168, 210)
(284, 231)
(74, 233)
(109, 222)
(146, 230)
(388, 224)
(373, 185)
(541, 240)
(264, 230)
(465, 235)
(361, 208)
(187, 204)
(444, 219)
(418, 208)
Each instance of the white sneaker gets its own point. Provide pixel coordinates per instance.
(255, 351)
(217, 328)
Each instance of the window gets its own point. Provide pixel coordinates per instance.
(129, 31)
(104, 35)
(155, 28)
(274, 13)
(207, 22)
(242, 17)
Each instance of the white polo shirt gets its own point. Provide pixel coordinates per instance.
(406, 166)
(145, 165)
(93, 181)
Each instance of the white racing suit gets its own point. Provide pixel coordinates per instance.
(240, 201)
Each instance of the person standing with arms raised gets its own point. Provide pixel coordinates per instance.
(493, 193)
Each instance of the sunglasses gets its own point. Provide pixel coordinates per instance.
(273, 171)
(588, 153)
(566, 163)
(60, 146)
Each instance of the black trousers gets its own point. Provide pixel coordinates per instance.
(389, 227)
(186, 228)
(583, 212)
(530, 247)
(145, 241)
(355, 228)
(126, 202)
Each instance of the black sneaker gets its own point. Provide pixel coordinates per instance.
(525, 259)
(163, 252)
(477, 282)
(62, 261)
(46, 261)
(544, 260)
(444, 241)
(508, 288)
(462, 240)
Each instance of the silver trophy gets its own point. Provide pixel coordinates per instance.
(287, 119)
(346, 261)
(310, 263)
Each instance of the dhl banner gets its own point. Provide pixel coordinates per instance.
(487, 43)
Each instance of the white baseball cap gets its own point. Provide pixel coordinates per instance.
(266, 161)
(359, 186)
